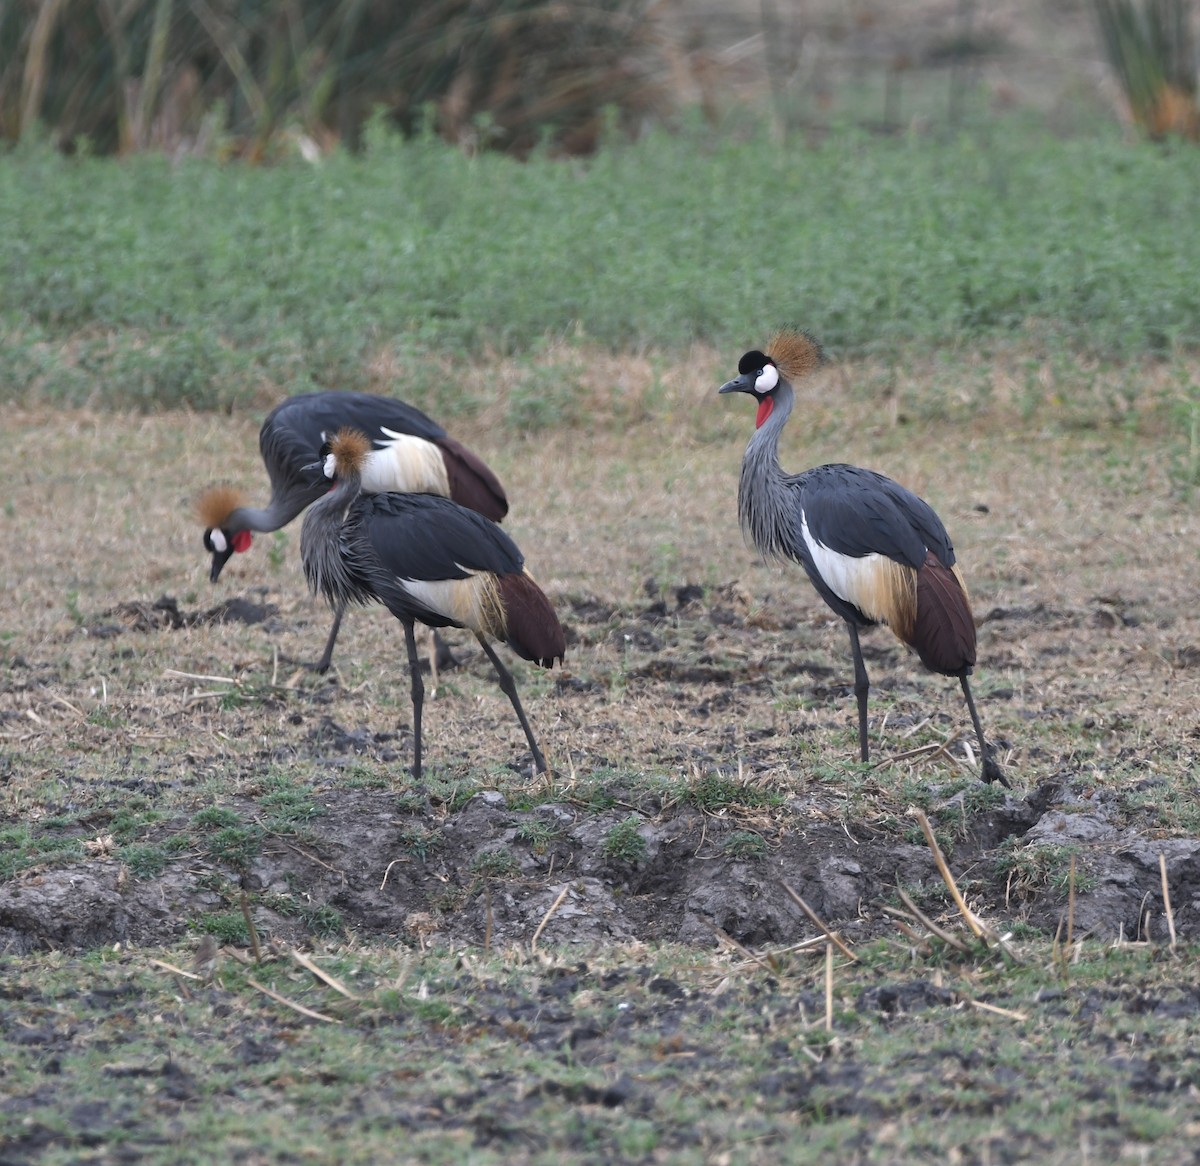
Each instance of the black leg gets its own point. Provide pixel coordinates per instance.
(510, 690)
(991, 768)
(418, 694)
(322, 665)
(861, 687)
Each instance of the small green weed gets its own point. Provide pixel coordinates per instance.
(421, 841)
(745, 844)
(538, 834)
(214, 818)
(713, 792)
(239, 845)
(1031, 867)
(624, 843)
(145, 861)
(494, 864)
(224, 926)
(277, 551)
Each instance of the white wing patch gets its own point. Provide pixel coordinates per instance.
(472, 602)
(405, 465)
(843, 574)
(880, 588)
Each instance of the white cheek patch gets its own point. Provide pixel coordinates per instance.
(218, 541)
(330, 466)
(767, 379)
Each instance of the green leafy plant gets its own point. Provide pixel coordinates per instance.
(624, 842)
(745, 844)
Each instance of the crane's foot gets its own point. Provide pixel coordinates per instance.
(992, 771)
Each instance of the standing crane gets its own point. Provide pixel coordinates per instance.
(415, 454)
(427, 560)
(875, 552)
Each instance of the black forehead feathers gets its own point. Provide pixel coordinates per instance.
(754, 361)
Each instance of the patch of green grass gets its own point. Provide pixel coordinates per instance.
(104, 718)
(201, 282)
(21, 849)
(277, 550)
(215, 818)
(538, 834)
(745, 844)
(910, 1070)
(224, 926)
(1029, 867)
(624, 842)
(145, 861)
(287, 807)
(421, 841)
(364, 775)
(237, 845)
(713, 792)
(321, 919)
(495, 864)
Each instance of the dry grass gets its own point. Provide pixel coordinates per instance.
(1081, 533)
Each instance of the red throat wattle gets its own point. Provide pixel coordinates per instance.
(764, 411)
(241, 541)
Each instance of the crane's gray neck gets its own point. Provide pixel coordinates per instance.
(262, 519)
(323, 537)
(764, 507)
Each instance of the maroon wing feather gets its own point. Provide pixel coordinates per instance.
(944, 632)
(534, 632)
(472, 483)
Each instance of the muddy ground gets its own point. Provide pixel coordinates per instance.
(725, 816)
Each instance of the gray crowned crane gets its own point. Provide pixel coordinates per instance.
(414, 454)
(875, 552)
(427, 560)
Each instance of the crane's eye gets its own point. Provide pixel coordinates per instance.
(767, 379)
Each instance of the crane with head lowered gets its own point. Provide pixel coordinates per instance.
(413, 454)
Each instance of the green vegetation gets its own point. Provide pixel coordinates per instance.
(624, 842)
(745, 844)
(255, 78)
(1149, 44)
(148, 284)
(649, 1052)
(494, 864)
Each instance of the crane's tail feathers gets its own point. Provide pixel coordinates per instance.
(532, 627)
(944, 629)
(472, 483)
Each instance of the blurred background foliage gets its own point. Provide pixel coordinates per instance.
(257, 80)
(244, 76)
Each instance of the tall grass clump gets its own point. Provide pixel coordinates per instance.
(246, 76)
(1150, 46)
(147, 283)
